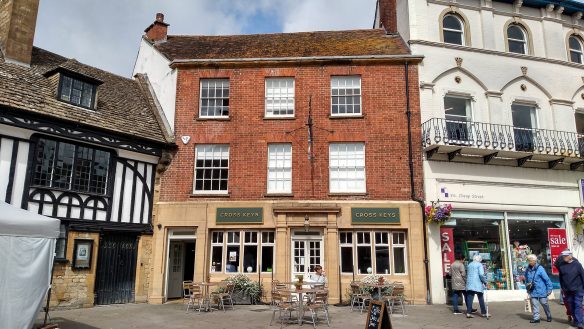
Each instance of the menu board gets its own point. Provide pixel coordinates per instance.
(377, 316)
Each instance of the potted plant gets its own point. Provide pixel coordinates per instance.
(298, 285)
(380, 280)
(439, 214)
(300, 278)
(578, 219)
(245, 291)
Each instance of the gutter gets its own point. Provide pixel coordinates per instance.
(413, 185)
(402, 57)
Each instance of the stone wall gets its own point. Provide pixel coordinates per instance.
(73, 288)
(143, 268)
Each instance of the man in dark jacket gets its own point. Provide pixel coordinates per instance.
(572, 283)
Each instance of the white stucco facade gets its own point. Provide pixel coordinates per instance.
(162, 78)
(482, 70)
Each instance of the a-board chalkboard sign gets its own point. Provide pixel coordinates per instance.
(377, 316)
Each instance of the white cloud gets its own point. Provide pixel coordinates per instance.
(106, 33)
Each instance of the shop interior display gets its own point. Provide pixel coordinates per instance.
(491, 255)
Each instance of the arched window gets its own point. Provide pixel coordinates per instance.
(575, 46)
(453, 29)
(517, 39)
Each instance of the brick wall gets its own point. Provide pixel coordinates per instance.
(383, 128)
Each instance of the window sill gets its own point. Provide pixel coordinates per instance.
(280, 118)
(213, 119)
(210, 195)
(278, 195)
(348, 194)
(335, 117)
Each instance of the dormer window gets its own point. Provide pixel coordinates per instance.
(77, 92)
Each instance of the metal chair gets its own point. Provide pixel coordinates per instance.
(320, 303)
(397, 298)
(359, 296)
(186, 285)
(225, 295)
(195, 294)
(283, 304)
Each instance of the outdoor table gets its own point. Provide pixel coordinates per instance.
(378, 286)
(301, 293)
(206, 294)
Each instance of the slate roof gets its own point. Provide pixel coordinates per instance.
(123, 105)
(280, 45)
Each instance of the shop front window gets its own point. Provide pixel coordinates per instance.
(484, 234)
(377, 252)
(245, 251)
(528, 234)
(504, 240)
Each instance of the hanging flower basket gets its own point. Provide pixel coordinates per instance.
(578, 219)
(438, 214)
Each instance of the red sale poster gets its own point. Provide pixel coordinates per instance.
(558, 242)
(447, 247)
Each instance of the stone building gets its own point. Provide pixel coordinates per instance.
(81, 145)
(502, 107)
(293, 152)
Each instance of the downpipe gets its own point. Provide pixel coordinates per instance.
(413, 185)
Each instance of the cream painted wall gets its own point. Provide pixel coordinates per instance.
(161, 76)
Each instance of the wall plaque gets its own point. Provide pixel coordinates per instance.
(240, 215)
(375, 216)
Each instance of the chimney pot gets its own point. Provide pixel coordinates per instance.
(157, 31)
(160, 17)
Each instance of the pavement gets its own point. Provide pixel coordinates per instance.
(173, 316)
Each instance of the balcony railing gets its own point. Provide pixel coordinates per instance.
(496, 137)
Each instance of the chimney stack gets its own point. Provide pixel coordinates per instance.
(156, 32)
(386, 10)
(17, 25)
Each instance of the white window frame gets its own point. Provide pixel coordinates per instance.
(333, 87)
(226, 242)
(250, 243)
(524, 41)
(396, 246)
(373, 243)
(376, 244)
(201, 84)
(281, 168)
(469, 109)
(580, 51)
(267, 244)
(272, 96)
(347, 244)
(223, 152)
(339, 169)
(461, 31)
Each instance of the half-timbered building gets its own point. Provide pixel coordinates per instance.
(82, 145)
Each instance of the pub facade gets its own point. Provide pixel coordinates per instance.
(292, 152)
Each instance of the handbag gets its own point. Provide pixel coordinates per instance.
(527, 305)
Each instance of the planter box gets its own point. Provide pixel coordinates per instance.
(241, 299)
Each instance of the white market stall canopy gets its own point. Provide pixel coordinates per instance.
(27, 242)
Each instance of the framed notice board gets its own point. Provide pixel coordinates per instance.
(377, 316)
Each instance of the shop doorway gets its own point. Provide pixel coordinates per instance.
(181, 262)
(307, 252)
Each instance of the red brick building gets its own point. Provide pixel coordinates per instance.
(294, 153)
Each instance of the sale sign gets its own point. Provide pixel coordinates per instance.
(558, 243)
(447, 247)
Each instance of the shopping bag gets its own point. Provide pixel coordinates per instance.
(527, 305)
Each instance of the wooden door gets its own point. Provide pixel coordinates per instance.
(116, 269)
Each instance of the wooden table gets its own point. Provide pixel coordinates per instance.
(301, 293)
(206, 295)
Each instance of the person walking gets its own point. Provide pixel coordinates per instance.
(572, 283)
(458, 280)
(475, 282)
(539, 287)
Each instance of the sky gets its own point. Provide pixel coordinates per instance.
(106, 33)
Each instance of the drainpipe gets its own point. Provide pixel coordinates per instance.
(413, 185)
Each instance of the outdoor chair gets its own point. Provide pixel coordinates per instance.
(282, 303)
(397, 298)
(195, 295)
(320, 303)
(359, 296)
(225, 295)
(186, 285)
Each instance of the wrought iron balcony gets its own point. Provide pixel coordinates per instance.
(456, 139)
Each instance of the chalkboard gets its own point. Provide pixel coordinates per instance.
(377, 316)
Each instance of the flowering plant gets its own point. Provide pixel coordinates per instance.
(438, 214)
(578, 219)
(375, 279)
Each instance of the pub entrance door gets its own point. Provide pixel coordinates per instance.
(306, 252)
